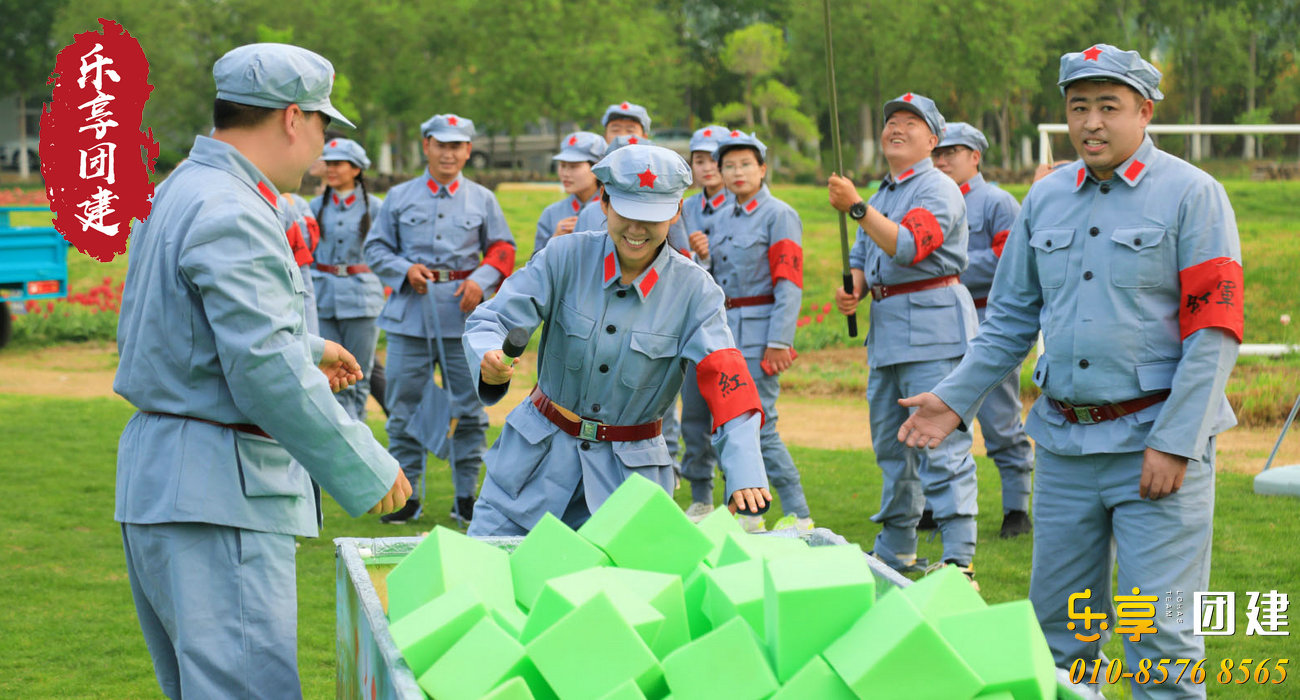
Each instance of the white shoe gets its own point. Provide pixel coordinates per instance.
(751, 523)
(699, 511)
(792, 521)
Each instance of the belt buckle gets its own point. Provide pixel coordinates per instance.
(587, 430)
(342, 271)
(877, 292)
(1083, 415)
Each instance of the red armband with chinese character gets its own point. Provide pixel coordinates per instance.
(999, 242)
(925, 232)
(785, 259)
(726, 386)
(501, 256)
(1212, 296)
(301, 253)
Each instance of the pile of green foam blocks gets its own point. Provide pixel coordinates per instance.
(642, 603)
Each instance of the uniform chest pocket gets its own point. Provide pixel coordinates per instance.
(648, 359)
(1052, 255)
(414, 219)
(1138, 258)
(577, 328)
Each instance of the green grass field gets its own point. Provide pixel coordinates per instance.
(70, 629)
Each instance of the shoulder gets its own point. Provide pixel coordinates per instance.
(1058, 183)
(996, 196)
(933, 182)
(1171, 169)
(477, 191)
(692, 280)
(781, 209)
(375, 201)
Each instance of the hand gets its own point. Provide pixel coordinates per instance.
(845, 302)
(418, 276)
(1043, 169)
(751, 499)
(930, 424)
(470, 295)
(699, 244)
(396, 496)
(339, 366)
(1162, 474)
(778, 359)
(494, 370)
(566, 225)
(843, 194)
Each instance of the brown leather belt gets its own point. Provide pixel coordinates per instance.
(981, 302)
(449, 275)
(737, 302)
(585, 429)
(1088, 415)
(883, 291)
(241, 427)
(343, 271)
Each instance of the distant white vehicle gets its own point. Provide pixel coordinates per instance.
(10, 149)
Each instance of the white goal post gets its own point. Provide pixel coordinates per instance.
(1045, 131)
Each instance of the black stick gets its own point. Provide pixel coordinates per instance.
(839, 163)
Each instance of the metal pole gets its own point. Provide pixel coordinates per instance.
(839, 163)
(1285, 426)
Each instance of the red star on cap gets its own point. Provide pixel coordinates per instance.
(573, 140)
(334, 144)
(708, 133)
(647, 178)
(631, 139)
(624, 106)
(734, 134)
(1091, 54)
(907, 97)
(452, 120)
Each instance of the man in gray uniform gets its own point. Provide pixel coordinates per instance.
(212, 472)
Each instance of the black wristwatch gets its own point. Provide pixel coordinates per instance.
(858, 210)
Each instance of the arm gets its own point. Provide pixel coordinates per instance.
(498, 247)
(785, 264)
(237, 264)
(522, 302)
(983, 261)
(876, 226)
(383, 249)
(939, 212)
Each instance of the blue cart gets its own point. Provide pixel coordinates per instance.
(33, 265)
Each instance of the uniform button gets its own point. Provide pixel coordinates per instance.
(440, 216)
(1105, 187)
(595, 408)
(724, 258)
(604, 369)
(622, 293)
(438, 237)
(610, 329)
(1049, 243)
(891, 187)
(1087, 275)
(1083, 364)
(1137, 241)
(584, 445)
(1094, 231)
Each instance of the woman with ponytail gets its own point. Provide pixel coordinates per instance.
(349, 296)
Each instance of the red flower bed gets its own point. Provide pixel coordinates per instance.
(24, 198)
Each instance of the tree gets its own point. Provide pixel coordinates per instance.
(27, 51)
(754, 52)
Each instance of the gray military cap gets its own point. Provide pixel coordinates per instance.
(345, 149)
(963, 134)
(644, 183)
(581, 147)
(276, 76)
(706, 139)
(627, 110)
(739, 139)
(448, 128)
(1107, 63)
(921, 106)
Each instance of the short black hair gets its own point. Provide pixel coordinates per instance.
(235, 115)
(604, 193)
(736, 147)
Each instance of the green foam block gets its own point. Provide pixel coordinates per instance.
(1004, 695)
(810, 599)
(484, 658)
(696, 587)
(718, 524)
(815, 681)
(892, 651)
(430, 630)
(442, 561)
(1005, 646)
(593, 650)
(627, 691)
(513, 689)
(727, 662)
(944, 592)
(640, 527)
(664, 593)
(736, 591)
(551, 549)
(736, 548)
(561, 596)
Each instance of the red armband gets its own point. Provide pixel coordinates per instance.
(999, 242)
(925, 231)
(313, 233)
(301, 253)
(1212, 296)
(785, 259)
(726, 386)
(501, 256)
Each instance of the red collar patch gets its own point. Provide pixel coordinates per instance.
(648, 283)
(348, 202)
(433, 185)
(609, 267)
(906, 174)
(751, 205)
(717, 201)
(1133, 170)
(1091, 54)
(576, 206)
(1078, 179)
(455, 185)
(647, 178)
(336, 199)
(268, 193)
(965, 188)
